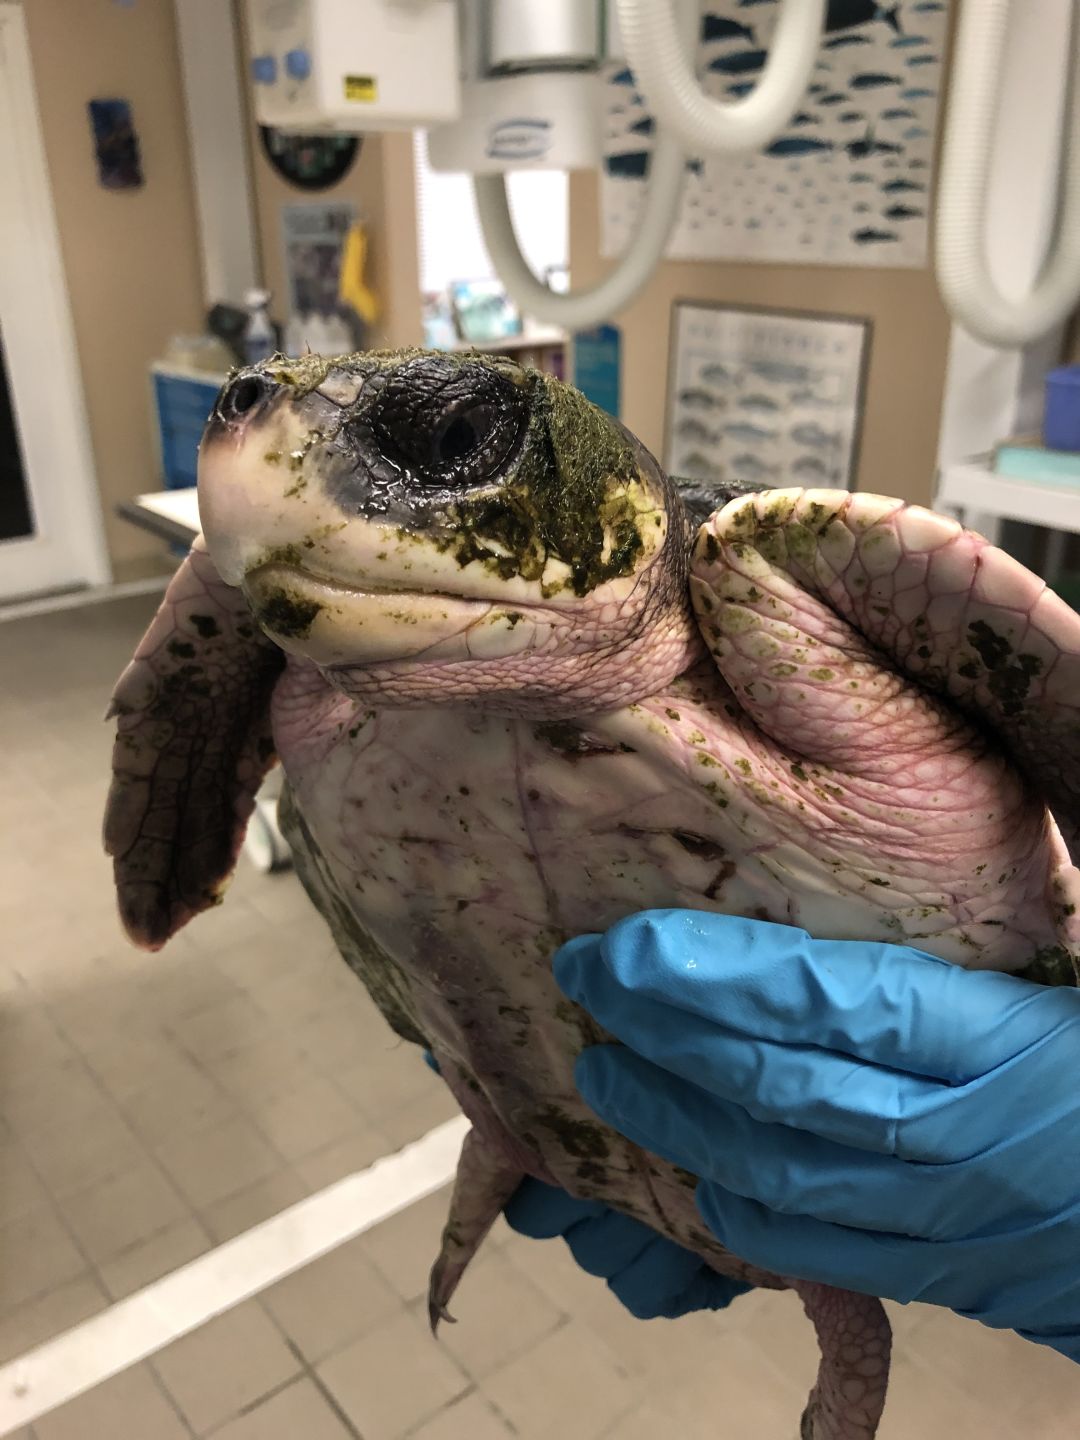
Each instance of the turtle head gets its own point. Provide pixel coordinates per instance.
(433, 528)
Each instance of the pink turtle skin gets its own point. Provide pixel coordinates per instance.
(857, 719)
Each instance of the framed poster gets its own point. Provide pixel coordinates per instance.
(768, 397)
(313, 236)
(847, 182)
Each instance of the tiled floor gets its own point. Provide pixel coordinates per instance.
(152, 1107)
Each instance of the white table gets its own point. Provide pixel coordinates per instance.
(980, 499)
(171, 515)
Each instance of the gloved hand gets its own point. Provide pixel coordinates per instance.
(860, 1114)
(651, 1276)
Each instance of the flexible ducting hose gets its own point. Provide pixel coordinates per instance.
(582, 308)
(657, 54)
(963, 273)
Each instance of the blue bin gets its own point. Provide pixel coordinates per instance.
(1061, 419)
(183, 401)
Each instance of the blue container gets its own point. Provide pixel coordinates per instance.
(182, 405)
(1061, 420)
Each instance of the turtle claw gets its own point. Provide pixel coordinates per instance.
(438, 1314)
(484, 1184)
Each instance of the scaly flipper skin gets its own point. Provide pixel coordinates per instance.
(484, 1183)
(855, 1338)
(801, 594)
(192, 746)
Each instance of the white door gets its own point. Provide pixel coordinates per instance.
(50, 506)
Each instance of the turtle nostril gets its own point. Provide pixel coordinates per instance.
(242, 396)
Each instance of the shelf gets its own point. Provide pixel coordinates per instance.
(975, 488)
(539, 339)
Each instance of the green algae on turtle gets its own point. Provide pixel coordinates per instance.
(545, 735)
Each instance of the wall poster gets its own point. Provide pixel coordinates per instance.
(847, 183)
(770, 397)
(313, 236)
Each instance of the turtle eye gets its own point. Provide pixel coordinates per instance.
(446, 423)
(460, 435)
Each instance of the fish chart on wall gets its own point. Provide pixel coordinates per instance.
(847, 183)
(768, 397)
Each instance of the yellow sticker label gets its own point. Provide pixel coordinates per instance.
(361, 87)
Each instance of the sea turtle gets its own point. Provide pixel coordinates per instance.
(522, 684)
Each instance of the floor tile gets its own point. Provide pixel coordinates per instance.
(569, 1385)
(299, 1412)
(404, 1247)
(72, 1157)
(332, 1301)
(266, 1067)
(345, 1157)
(131, 1405)
(470, 1418)
(20, 1189)
(123, 1211)
(38, 1256)
(499, 1314)
(157, 1256)
(414, 1120)
(250, 1206)
(384, 1393)
(1010, 1377)
(281, 899)
(178, 1098)
(209, 1164)
(219, 1028)
(126, 1061)
(226, 1366)
(553, 1271)
(307, 1119)
(39, 1320)
(50, 1093)
(925, 1403)
(391, 1074)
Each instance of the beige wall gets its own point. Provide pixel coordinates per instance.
(907, 348)
(130, 257)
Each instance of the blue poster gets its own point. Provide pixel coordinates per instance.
(596, 366)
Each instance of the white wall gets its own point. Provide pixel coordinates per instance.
(451, 246)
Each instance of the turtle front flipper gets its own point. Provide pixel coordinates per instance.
(192, 746)
(485, 1182)
(922, 692)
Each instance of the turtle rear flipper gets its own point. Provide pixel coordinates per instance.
(485, 1182)
(192, 746)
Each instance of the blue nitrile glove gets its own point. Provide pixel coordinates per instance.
(651, 1276)
(860, 1114)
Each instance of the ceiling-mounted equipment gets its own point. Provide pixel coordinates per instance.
(972, 295)
(505, 85)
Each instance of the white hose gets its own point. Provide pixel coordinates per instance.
(963, 273)
(664, 70)
(582, 308)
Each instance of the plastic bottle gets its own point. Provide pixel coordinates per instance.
(260, 340)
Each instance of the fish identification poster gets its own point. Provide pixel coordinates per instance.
(847, 183)
(768, 397)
